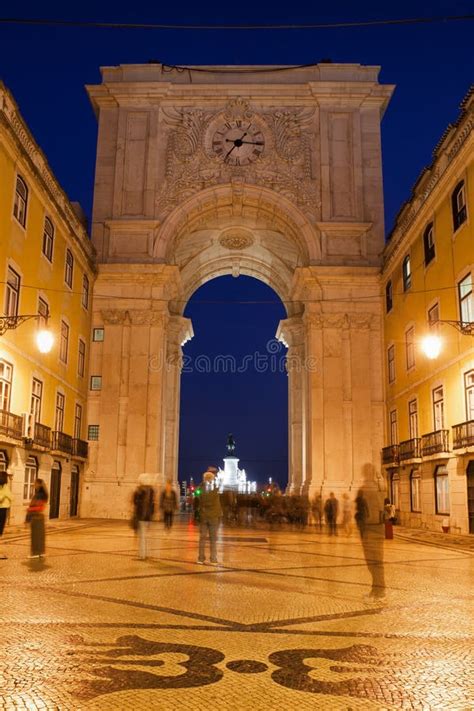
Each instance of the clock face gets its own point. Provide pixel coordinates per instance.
(238, 142)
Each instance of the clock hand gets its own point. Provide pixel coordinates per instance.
(238, 141)
(228, 154)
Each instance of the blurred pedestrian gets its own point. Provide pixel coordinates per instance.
(346, 514)
(317, 510)
(5, 503)
(361, 512)
(210, 512)
(372, 544)
(143, 510)
(168, 504)
(35, 517)
(331, 509)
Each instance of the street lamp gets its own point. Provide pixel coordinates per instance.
(44, 337)
(431, 345)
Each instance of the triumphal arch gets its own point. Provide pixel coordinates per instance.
(272, 172)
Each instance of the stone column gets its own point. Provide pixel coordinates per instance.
(179, 330)
(291, 332)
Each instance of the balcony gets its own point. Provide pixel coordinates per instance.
(410, 449)
(463, 435)
(42, 435)
(390, 455)
(61, 442)
(11, 425)
(80, 448)
(435, 442)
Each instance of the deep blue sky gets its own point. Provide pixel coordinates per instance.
(46, 69)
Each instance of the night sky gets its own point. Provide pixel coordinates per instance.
(46, 69)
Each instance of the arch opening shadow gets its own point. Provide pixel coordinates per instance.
(234, 380)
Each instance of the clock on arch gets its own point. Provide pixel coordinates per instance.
(238, 141)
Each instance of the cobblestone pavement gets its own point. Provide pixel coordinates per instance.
(284, 623)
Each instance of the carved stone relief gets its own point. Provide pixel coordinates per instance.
(284, 165)
(236, 238)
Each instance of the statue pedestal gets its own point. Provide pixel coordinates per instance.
(230, 479)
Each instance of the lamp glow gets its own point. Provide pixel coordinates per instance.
(431, 346)
(44, 340)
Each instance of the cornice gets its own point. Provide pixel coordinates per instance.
(435, 191)
(19, 132)
(445, 156)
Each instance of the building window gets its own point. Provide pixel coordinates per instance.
(96, 382)
(6, 373)
(31, 474)
(388, 296)
(415, 490)
(410, 347)
(78, 421)
(395, 489)
(64, 342)
(43, 311)
(36, 399)
(98, 334)
(3, 461)
(12, 295)
(59, 413)
(458, 204)
(469, 390)
(442, 490)
(406, 272)
(21, 201)
(393, 427)
(81, 358)
(433, 316)
(391, 364)
(438, 408)
(48, 239)
(93, 432)
(413, 418)
(428, 243)
(466, 299)
(85, 291)
(69, 268)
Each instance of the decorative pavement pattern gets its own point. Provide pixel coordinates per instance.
(284, 623)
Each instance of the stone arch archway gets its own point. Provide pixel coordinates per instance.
(305, 216)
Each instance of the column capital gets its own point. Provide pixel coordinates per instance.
(179, 330)
(291, 331)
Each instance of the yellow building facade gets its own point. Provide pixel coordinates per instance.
(47, 268)
(428, 277)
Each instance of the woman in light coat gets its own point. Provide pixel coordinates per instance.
(5, 503)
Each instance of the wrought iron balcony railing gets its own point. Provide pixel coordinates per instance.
(463, 434)
(61, 442)
(11, 425)
(390, 454)
(435, 442)
(80, 448)
(42, 435)
(410, 449)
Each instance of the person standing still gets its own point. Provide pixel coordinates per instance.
(210, 513)
(331, 508)
(143, 510)
(5, 503)
(168, 504)
(35, 517)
